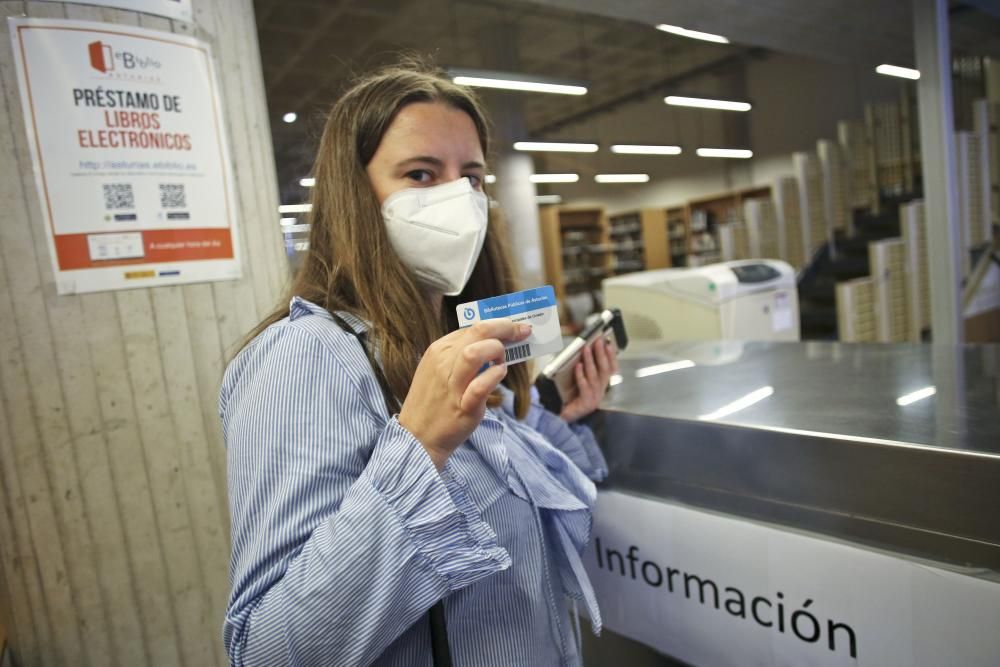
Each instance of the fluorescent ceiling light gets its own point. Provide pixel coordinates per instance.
(527, 86)
(706, 103)
(641, 149)
(615, 379)
(295, 208)
(693, 34)
(554, 178)
(288, 221)
(753, 397)
(622, 178)
(646, 371)
(554, 146)
(490, 178)
(291, 229)
(915, 396)
(903, 72)
(307, 182)
(290, 117)
(548, 199)
(514, 81)
(725, 152)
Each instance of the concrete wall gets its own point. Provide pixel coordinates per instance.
(114, 534)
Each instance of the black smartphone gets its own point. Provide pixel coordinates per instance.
(557, 384)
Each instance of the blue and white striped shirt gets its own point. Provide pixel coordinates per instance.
(345, 534)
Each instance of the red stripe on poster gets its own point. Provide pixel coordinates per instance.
(160, 246)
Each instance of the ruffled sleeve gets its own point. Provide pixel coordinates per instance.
(344, 533)
(434, 509)
(576, 440)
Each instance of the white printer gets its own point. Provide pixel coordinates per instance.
(748, 300)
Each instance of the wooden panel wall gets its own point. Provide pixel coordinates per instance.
(114, 534)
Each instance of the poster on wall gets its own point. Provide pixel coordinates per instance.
(172, 9)
(129, 151)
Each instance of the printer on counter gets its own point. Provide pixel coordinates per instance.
(754, 300)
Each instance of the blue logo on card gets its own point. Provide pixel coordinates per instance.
(516, 303)
(469, 313)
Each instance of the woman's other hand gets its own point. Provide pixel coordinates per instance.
(598, 362)
(447, 398)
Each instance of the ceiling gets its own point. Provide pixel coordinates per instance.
(857, 31)
(310, 49)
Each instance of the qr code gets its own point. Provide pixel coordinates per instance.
(118, 196)
(172, 195)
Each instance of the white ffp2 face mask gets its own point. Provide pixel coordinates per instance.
(438, 232)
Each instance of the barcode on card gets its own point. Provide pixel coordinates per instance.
(172, 195)
(118, 196)
(517, 353)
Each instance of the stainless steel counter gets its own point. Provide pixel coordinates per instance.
(844, 440)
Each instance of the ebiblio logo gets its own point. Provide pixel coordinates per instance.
(104, 59)
(101, 58)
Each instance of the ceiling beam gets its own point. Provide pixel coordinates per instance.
(315, 34)
(654, 88)
(343, 68)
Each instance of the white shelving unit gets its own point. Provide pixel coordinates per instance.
(733, 241)
(835, 178)
(913, 226)
(855, 142)
(887, 259)
(812, 216)
(856, 311)
(765, 236)
(787, 208)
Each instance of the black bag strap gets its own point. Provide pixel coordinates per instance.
(392, 405)
(440, 650)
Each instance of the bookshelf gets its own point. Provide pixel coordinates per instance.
(787, 212)
(887, 259)
(734, 241)
(811, 205)
(678, 233)
(855, 311)
(583, 245)
(910, 138)
(835, 176)
(577, 253)
(705, 217)
(764, 235)
(659, 243)
(859, 154)
(895, 145)
(884, 122)
(992, 131)
(913, 226)
(976, 175)
(627, 242)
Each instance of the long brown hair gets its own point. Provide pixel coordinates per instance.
(351, 265)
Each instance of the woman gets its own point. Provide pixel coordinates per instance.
(351, 516)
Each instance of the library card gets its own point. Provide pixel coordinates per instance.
(536, 306)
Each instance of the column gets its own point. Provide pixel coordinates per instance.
(938, 161)
(114, 533)
(514, 191)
